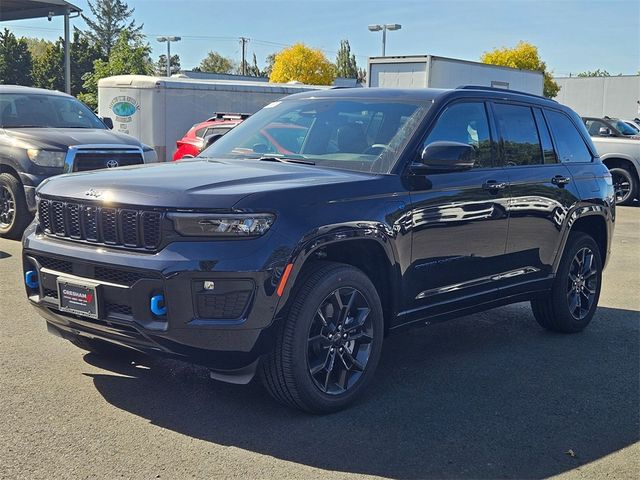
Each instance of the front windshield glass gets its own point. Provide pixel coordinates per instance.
(623, 128)
(19, 110)
(352, 134)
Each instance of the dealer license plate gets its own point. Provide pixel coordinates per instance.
(78, 298)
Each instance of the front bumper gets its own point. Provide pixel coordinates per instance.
(227, 328)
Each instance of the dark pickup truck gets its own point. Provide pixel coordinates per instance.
(393, 209)
(45, 133)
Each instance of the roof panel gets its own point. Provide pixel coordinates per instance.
(23, 9)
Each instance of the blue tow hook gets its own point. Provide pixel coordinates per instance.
(157, 305)
(31, 279)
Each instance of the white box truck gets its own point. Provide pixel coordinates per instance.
(420, 71)
(158, 111)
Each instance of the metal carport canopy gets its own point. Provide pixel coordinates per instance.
(24, 9)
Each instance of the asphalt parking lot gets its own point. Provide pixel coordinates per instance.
(486, 396)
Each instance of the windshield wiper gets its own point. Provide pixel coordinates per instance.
(267, 158)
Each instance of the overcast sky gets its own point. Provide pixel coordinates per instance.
(572, 36)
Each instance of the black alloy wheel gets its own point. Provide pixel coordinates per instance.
(7, 207)
(340, 338)
(582, 283)
(573, 299)
(624, 186)
(329, 342)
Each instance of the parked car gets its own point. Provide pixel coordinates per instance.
(622, 158)
(203, 134)
(45, 133)
(393, 212)
(609, 127)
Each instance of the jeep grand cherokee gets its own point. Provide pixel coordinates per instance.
(398, 208)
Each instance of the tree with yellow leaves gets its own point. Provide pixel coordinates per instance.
(525, 56)
(302, 64)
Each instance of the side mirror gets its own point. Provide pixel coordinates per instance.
(604, 132)
(107, 122)
(210, 140)
(445, 157)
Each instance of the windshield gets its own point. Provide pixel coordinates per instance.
(352, 134)
(623, 128)
(19, 110)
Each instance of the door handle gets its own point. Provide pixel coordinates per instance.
(494, 185)
(560, 180)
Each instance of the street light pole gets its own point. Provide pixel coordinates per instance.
(384, 27)
(168, 40)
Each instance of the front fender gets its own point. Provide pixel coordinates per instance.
(327, 235)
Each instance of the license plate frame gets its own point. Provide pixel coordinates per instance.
(78, 297)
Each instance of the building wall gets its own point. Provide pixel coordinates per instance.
(599, 96)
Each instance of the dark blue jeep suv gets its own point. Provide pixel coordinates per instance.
(391, 209)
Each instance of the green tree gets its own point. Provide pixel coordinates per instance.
(346, 66)
(15, 60)
(595, 73)
(128, 57)
(216, 63)
(268, 64)
(111, 18)
(302, 64)
(48, 67)
(36, 46)
(161, 65)
(525, 56)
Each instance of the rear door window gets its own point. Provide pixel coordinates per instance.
(519, 135)
(569, 143)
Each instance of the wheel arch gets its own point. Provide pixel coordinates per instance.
(621, 161)
(372, 254)
(594, 222)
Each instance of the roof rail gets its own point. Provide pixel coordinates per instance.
(498, 89)
(228, 116)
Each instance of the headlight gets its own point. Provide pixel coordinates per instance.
(149, 155)
(221, 225)
(46, 158)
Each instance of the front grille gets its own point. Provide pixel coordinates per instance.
(48, 292)
(124, 227)
(55, 264)
(94, 160)
(121, 277)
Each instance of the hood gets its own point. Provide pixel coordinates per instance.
(194, 184)
(62, 138)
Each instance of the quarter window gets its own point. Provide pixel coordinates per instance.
(521, 144)
(545, 139)
(569, 143)
(465, 123)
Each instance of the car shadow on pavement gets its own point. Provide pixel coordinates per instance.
(4, 255)
(486, 396)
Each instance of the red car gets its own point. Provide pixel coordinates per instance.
(194, 140)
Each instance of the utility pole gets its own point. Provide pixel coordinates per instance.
(243, 42)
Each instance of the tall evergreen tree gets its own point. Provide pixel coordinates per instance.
(15, 60)
(160, 66)
(346, 66)
(111, 17)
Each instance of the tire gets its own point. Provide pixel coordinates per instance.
(560, 311)
(14, 214)
(309, 341)
(104, 349)
(625, 185)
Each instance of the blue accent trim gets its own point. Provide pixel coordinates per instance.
(157, 305)
(31, 279)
